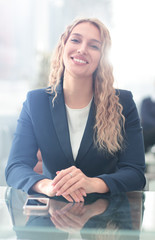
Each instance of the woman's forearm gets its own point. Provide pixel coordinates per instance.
(44, 186)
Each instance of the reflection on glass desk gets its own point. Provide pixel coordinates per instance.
(124, 216)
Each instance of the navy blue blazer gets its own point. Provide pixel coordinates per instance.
(44, 126)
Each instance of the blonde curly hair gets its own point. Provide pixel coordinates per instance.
(109, 124)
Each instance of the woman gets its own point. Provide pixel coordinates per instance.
(89, 134)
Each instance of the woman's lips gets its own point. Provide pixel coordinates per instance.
(79, 60)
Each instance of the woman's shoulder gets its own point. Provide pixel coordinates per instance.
(38, 92)
(124, 94)
(126, 100)
(44, 92)
(38, 98)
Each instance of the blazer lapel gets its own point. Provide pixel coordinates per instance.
(61, 124)
(87, 139)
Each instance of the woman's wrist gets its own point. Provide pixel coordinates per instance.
(44, 186)
(38, 186)
(99, 186)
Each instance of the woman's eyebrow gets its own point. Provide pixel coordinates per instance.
(93, 39)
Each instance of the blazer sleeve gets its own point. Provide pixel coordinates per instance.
(23, 154)
(129, 175)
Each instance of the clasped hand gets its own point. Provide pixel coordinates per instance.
(72, 184)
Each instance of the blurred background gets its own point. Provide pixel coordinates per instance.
(30, 29)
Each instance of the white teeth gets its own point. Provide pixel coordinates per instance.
(79, 60)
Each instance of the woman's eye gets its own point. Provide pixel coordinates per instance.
(94, 47)
(75, 40)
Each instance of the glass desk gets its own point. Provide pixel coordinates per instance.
(124, 216)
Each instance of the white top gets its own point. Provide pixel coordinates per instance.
(77, 119)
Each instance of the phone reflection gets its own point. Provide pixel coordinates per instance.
(99, 217)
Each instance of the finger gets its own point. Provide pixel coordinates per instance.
(67, 182)
(83, 192)
(68, 198)
(61, 174)
(64, 184)
(73, 188)
(77, 197)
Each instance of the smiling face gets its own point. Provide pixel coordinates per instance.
(82, 51)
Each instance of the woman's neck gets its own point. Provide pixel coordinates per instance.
(77, 92)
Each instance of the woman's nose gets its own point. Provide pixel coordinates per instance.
(82, 49)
